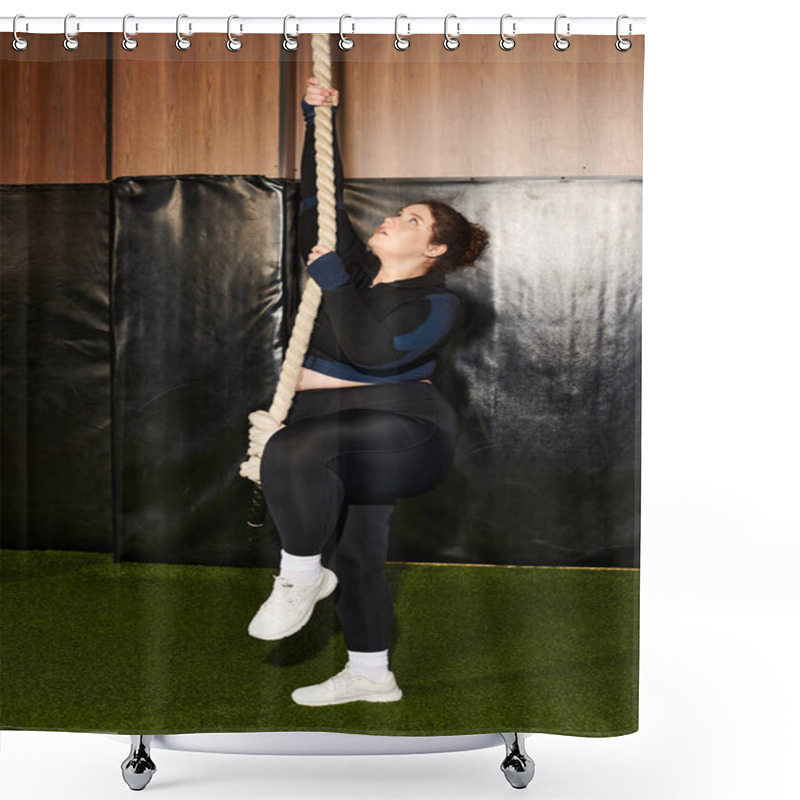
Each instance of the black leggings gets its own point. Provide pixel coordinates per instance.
(353, 452)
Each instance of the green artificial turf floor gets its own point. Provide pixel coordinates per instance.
(87, 644)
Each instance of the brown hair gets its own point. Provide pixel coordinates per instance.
(464, 239)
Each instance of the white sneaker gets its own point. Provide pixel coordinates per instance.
(289, 607)
(346, 687)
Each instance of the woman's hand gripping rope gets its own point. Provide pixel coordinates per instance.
(262, 426)
(316, 251)
(317, 96)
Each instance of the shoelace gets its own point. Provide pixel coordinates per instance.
(284, 596)
(343, 680)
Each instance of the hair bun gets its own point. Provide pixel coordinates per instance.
(478, 240)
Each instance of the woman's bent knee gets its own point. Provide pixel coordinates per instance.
(277, 454)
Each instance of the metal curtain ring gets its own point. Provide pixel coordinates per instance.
(182, 42)
(19, 43)
(623, 45)
(344, 42)
(451, 42)
(289, 43)
(233, 44)
(70, 42)
(128, 42)
(506, 42)
(560, 43)
(400, 42)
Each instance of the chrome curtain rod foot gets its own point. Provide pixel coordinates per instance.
(518, 766)
(138, 768)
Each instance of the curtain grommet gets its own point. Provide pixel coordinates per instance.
(182, 43)
(234, 43)
(345, 43)
(128, 42)
(400, 42)
(506, 42)
(451, 42)
(290, 44)
(18, 43)
(561, 44)
(70, 42)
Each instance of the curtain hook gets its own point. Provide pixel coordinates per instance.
(344, 42)
(234, 44)
(70, 42)
(289, 43)
(400, 42)
(560, 43)
(19, 43)
(451, 42)
(623, 45)
(128, 42)
(182, 42)
(506, 42)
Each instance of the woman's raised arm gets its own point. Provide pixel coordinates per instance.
(347, 239)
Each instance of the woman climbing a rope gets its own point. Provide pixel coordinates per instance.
(367, 425)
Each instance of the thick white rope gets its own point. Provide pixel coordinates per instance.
(263, 424)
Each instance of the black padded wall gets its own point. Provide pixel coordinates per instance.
(543, 369)
(198, 293)
(56, 409)
(544, 372)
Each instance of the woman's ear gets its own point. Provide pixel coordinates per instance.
(435, 250)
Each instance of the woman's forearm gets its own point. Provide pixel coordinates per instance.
(348, 240)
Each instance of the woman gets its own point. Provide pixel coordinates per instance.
(367, 426)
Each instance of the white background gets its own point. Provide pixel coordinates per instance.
(719, 696)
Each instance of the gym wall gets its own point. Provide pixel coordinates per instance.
(129, 366)
(110, 111)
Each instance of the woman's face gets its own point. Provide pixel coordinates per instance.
(406, 235)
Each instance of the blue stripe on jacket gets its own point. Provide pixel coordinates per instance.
(339, 369)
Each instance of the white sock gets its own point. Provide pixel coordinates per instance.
(302, 570)
(374, 666)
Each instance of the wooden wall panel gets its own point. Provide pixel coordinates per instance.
(53, 110)
(481, 112)
(204, 110)
(476, 112)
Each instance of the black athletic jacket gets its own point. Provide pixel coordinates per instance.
(382, 334)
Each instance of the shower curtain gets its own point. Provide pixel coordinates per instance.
(151, 274)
